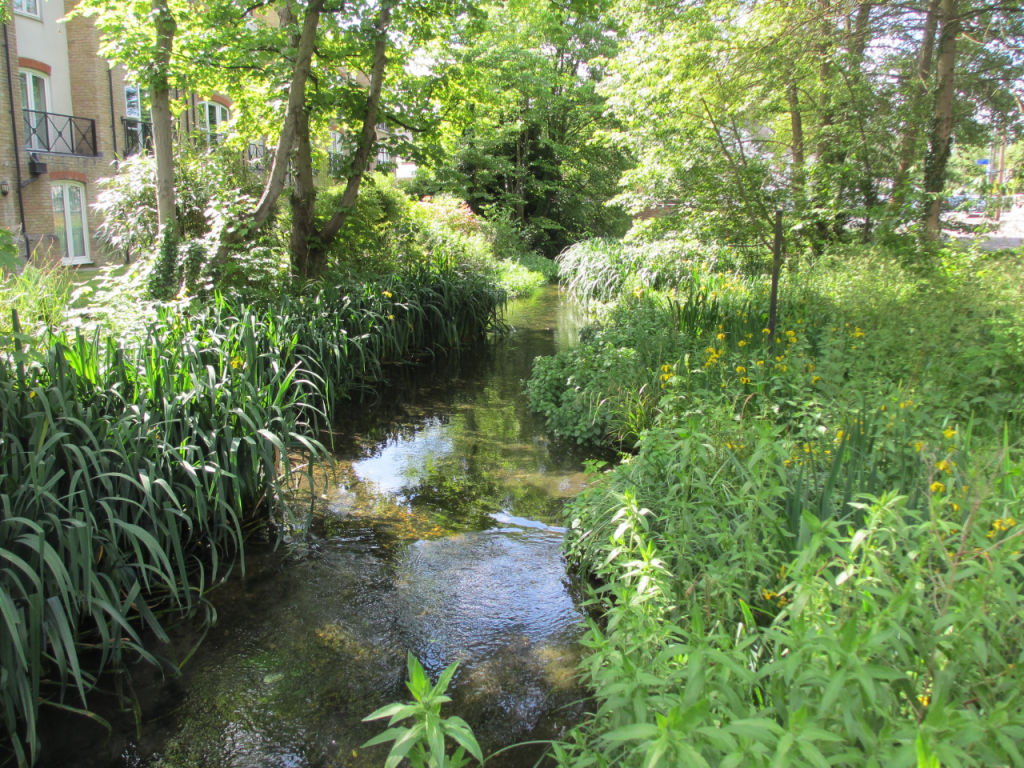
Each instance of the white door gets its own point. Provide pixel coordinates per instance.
(69, 222)
(35, 103)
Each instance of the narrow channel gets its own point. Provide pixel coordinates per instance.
(437, 532)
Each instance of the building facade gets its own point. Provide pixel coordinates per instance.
(61, 112)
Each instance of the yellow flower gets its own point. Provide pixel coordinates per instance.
(710, 350)
(956, 507)
(386, 294)
(783, 601)
(937, 487)
(766, 330)
(779, 358)
(857, 333)
(665, 368)
(237, 362)
(744, 380)
(791, 333)
(839, 435)
(918, 446)
(391, 317)
(815, 379)
(924, 699)
(942, 466)
(638, 292)
(783, 368)
(721, 337)
(31, 394)
(768, 595)
(743, 343)
(760, 363)
(740, 369)
(948, 432)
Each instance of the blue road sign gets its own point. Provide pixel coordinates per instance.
(983, 162)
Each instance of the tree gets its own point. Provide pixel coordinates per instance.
(521, 126)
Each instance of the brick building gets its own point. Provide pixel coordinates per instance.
(60, 108)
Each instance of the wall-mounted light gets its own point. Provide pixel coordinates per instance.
(5, 188)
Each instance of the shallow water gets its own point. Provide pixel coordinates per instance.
(436, 532)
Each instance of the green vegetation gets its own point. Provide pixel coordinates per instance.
(424, 742)
(129, 471)
(813, 557)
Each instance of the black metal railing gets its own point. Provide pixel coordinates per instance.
(62, 134)
(138, 136)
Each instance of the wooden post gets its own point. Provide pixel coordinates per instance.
(773, 313)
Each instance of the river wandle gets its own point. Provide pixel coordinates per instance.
(437, 532)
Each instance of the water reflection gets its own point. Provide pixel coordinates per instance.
(437, 531)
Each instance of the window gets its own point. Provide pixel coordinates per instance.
(69, 221)
(338, 145)
(135, 106)
(383, 157)
(213, 116)
(35, 102)
(27, 7)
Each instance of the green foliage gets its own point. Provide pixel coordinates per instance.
(813, 556)
(163, 282)
(424, 743)
(129, 466)
(524, 111)
(8, 253)
(40, 296)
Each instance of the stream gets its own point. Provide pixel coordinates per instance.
(436, 532)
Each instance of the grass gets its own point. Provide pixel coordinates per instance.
(129, 471)
(812, 555)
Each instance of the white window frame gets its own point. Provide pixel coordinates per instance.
(142, 113)
(29, 99)
(65, 186)
(223, 116)
(338, 144)
(23, 11)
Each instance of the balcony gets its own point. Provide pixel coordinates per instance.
(60, 134)
(138, 136)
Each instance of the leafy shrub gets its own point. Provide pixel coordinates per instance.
(814, 555)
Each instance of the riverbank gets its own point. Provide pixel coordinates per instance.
(130, 471)
(812, 553)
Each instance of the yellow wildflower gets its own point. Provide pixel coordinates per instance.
(815, 379)
(937, 487)
(721, 337)
(760, 363)
(740, 369)
(743, 343)
(918, 446)
(768, 595)
(839, 435)
(391, 317)
(942, 466)
(237, 362)
(791, 333)
(766, 330)
(948, 433)
(386, 294)
(924, 699)
(744, 380)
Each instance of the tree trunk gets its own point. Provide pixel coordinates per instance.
(163, 130)
(304, 47)
(303, 201)
(317, 253)
(908, 145)
(296, 105)
(941, 140)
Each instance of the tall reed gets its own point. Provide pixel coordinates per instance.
(128, 471)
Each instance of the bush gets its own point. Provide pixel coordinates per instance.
(814, 555)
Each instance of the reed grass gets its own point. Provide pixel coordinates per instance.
(128, 471)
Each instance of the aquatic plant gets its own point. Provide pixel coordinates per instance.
(129, 471)
(424, 742)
